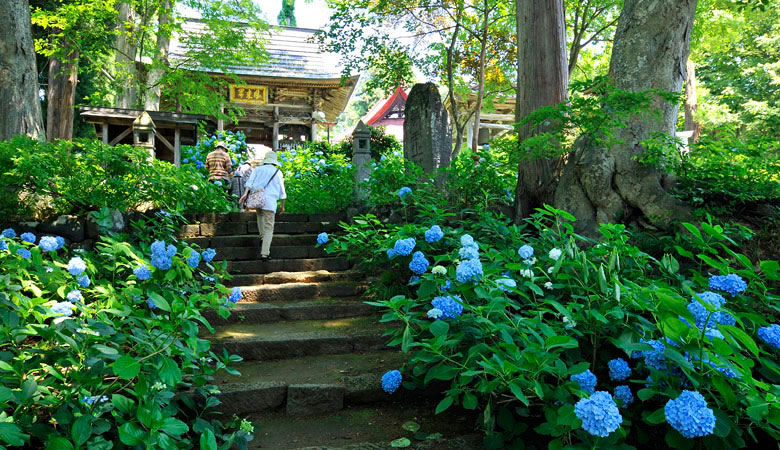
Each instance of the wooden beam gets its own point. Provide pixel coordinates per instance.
(177, 147)
(165, 141)
(121, 136)
(499, 117)
(496, 126)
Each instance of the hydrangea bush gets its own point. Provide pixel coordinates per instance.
(194, 157)
(315, 181)
(594, 339)
(115, 361)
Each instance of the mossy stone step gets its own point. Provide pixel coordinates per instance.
(279, 251)
(249, 216)
(288, 265)
(368, 427)
(280, 340)
(252, 240)
(296, 291)
(332, 380)
(322, 309)
(310, 276)
(243, 228)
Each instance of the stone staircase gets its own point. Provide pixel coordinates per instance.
(312, 349)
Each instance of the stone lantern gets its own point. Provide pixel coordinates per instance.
(143, 132)
(361, 157)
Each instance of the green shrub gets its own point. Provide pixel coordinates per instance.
(381, 144)
(316, 182)
(477, 180)
(90, 363)
(575, 305)
(194, 157)
(64, 177)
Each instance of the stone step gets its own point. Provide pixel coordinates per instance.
(280, 340)
(297, 291)
(311, 276)
(250, 227)
(321, 309)
(252, 240)
(288, 265)
(368, 427)
(250, 216)
(279, 252)
(328, 381)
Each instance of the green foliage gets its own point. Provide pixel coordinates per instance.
(315, 181)
(578, 304)
(65, 177)
(478, 180)
(107, 367)
(381, 143)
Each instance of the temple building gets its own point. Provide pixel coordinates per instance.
(389, 113)
(288, 100)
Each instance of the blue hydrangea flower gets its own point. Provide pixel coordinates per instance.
(48, 244)
(655, 358)
(390, 253)
(451, 307)
(599, 414)
(731, 283)
(526, 251)
(470, 252)
(624, 393)
(208, 255)
(506, 284)
(619, 369)
(150, 303)
(235, 295)
(434, 313)
(162, 256)
(24, 253)
(3, 245)
(467, 241)
(142, 272)
(9, 233)
(446, 286)
(63, 309)
(84, 281)
(419, 264)
(28, 237)
(414, 279)
(60, 242)
(95, 398)
(434, 234)
(391, 381)
(702, 316)
(586, 380)
(404, 191)
(770, 335)
(469, 270)
(322, 238)
(76, 266)
(194, 259)
(75, 296)
(690, 415)
(404, 247)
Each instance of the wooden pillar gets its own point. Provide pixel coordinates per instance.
(275, 145)
(177, 147)
(470, 131)
(313, 130)
(220, 120)
(105, 133)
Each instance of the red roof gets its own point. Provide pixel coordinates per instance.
(381, 108)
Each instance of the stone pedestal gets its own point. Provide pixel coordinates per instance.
(361, 158)
(427, 133)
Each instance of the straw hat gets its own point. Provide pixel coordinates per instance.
(270, 158)
(221, 144)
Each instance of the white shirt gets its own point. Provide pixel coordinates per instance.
(275, 189)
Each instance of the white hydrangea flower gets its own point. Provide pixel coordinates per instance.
(530, 261)
(438, 270)
(548, 285)
(551, 269)
(528, 273)
(555, 254)
(194, 187)
(435, 313)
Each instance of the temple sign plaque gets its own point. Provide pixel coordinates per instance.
(248, 94)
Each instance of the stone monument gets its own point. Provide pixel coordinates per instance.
(427, 133)
(361, 157)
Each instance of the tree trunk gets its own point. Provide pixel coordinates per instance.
(451, 87)
(542, 80)
(154, 86)
(691, 102)
(18, 74)
(125, 56)
(63, 76)
(481, 88)
(599, 185)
